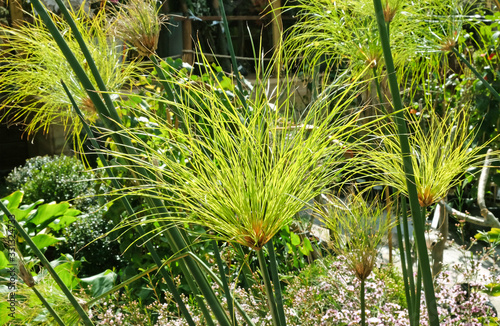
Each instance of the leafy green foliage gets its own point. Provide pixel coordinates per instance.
(491, 237)
(87, 240)
(62, 178)
(57, 178)
(43, 222)
(293, 250)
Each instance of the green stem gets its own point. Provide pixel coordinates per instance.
(246, 272)
(377, 85)
(403, 265)
(171, 94)
(196, 294)
(418, 293)
(475, 72)
(409, 260)
(276, 281)
(49, 308)
(212, 274)
(418, 222)
(269, 289)
(225, 286)
(362, 299)
(86, 320)
(88, 56)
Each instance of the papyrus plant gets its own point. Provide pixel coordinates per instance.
(442, 149)
(358, 228)
(31, 76)
(335, 35)
(138, 24)
(242, 176)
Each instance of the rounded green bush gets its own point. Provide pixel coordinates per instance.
(56, 178)
(84, 239)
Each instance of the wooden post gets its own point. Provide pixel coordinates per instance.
(187, 31)
(16, 12)
(187, 42)
(277, 25)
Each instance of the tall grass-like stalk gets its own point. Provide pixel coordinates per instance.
(170, 284)
(408, 168)
(110, 117)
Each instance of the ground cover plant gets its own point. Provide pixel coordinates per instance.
(207, 172)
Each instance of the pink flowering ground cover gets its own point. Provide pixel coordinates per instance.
(324, 293)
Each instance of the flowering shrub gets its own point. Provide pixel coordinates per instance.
(327, 293)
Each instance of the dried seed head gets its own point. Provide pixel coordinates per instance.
(389, 12)
(146, 44)
(426, 198)
(88, 106)
(25, 275)
(364, 266)
(448, 44)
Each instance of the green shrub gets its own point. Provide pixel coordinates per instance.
(63, 178)
(57, 178)
(83, 240)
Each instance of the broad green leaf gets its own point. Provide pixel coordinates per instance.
(226, 83)
(295, 239)
(67, 271)
(306, 248)
(44, 240)
(14, 200)
(62, 222)
(72, 212)
(24, 211)
(307, 244)
(49, 211)
(100, 283)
